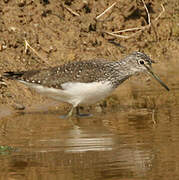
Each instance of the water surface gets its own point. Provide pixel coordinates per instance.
(130, 143)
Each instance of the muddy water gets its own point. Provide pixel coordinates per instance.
(133, 143)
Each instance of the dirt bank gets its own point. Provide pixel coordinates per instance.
(68, 30)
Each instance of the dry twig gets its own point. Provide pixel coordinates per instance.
(105, 11)
(138, 29)
(147, 11)
(27, 45)
(71, 11)
(153, 116)
(163, 10)
(127, 30)
(121, 36)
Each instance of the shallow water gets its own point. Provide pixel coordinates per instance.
(135, 143)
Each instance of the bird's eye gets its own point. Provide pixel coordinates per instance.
(141, 62)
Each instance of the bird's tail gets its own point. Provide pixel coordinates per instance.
(12, 75)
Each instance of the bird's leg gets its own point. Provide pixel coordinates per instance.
(81, 115)
(70, 112)
(77, 111)
(68, 116)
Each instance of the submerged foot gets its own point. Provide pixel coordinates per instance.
(84, 115)
(68, 116)
(65, 116)
(78, 114)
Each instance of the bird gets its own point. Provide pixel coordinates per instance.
(85, 82)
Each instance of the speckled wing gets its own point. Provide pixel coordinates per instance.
(79, 71)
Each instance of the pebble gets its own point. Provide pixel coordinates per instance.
(18, 106)
(6, 1)
(21, 3)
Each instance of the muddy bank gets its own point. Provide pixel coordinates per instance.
(61, 31)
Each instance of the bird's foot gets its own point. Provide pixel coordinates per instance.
(68, 116)
(84, 115)
(78, 114)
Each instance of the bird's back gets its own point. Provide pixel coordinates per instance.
(79, 71)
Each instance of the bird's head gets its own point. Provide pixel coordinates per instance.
(140, 62)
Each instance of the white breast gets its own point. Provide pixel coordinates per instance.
(76, 93)
(87, 93)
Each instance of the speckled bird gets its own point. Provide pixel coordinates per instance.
(84, 82)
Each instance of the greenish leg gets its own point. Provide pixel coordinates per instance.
(67, 116)
(70, 113)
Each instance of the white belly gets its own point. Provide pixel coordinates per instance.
(76, 93)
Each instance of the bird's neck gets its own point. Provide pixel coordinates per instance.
(124, 68)
(121, 71)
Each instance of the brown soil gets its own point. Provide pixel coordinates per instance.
(58, 36)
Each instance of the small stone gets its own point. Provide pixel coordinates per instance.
(2, 83)
(18, 106)
(8, 94)
(6, 1)
(21, 3)
(13, 29)
(3, 45)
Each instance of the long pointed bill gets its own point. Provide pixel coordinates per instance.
(157, 78)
